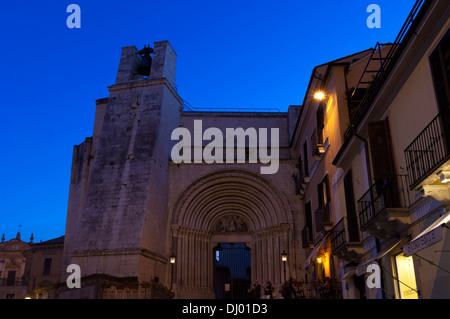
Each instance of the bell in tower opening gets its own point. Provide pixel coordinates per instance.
(146, 61)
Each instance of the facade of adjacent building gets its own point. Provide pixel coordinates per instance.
(28, 269)
(362, 180)
(43, 267)
(315, 142)
(394, 163)
(13, 281)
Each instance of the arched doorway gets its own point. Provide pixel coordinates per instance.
(227, 207)
(232, 271)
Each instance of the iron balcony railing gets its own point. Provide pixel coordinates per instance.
(388, 193)
(323, 217)
(7, 282)
(307, 236)
(427, 152)
(342, 233)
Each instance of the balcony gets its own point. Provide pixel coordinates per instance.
(345, 240)
(318, 146)
(7, 282)
(323, 218)
(383, 209)
(307, 237)
(428, 160)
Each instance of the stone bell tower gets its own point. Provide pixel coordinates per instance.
(117, 212)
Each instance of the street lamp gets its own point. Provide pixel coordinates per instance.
(172, 263)
(319, 95)
(284, 259)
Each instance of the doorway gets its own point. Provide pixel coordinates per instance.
(232, 270)
(406, 278)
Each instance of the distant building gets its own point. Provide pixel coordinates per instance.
(43, 267)
(30, 270)
(13, 281)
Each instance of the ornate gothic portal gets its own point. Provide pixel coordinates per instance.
(229, 207)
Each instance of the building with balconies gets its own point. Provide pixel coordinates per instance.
(397, 148)
(315, 141)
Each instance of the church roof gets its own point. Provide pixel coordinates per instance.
(58, 240)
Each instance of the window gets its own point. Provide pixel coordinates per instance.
(440, 67)
(382, 156)
(308, 217)
(47, 266)
(324, 192)
(11, 278)
(320, 123)
(300, 167)
(406, 277)
(323, 213)
(352, 219)
(10, 296)
(305, 159)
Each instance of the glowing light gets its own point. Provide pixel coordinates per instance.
(319, 95)
(283, 256)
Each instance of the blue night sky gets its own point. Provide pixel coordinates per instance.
(230, 54)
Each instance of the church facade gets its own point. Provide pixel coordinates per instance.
(131, 207)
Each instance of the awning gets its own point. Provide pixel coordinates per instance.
(362, 267)
(349, 274)
(428, 237)
(313, 253)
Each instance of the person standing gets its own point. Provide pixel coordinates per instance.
(268, 290)
(251, 291)
(289, 290)
(257, 290)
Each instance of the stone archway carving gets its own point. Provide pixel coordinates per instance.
(238, 204)
(231, 223)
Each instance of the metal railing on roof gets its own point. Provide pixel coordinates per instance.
(189, 108)
(371, 88)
